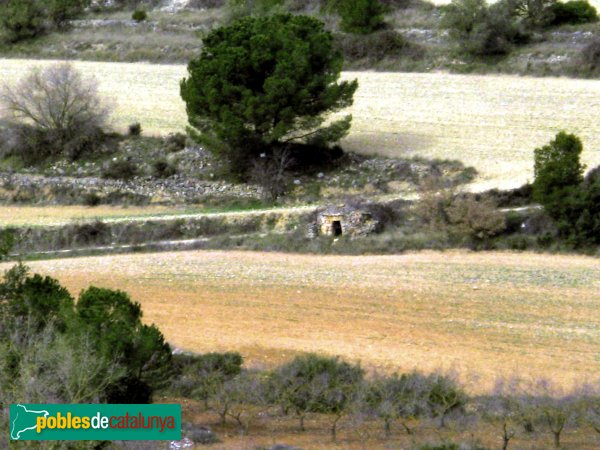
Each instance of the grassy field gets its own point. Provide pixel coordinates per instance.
(51, 215)
(484, 315)
(490, 122)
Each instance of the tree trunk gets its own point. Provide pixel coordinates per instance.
(557, 439)
(302, 423)
(388, 428)
(505, 438)
(334, 428)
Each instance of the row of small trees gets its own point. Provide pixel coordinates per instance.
(313, 383)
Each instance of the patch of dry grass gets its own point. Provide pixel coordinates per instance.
(51, 215)
(485, 315)
(490, 122)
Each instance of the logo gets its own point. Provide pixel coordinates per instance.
(94, 422)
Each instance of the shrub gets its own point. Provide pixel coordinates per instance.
(163, 169)
(175, 142)
(236, 9)
(360, 16)
(135, 129)
(139, 15)
(376, 46)
(61, 11)
(588, 62)
(573, 12)
(480, 220)
(65, 109)
(121, 169)
(91, 199)
(262, 83)
(536, 13)
(20, 19)
(482, 30)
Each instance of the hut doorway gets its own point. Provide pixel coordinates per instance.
(336, 227)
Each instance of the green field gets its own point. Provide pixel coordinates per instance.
(490, 122)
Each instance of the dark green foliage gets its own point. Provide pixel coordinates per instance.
(121, 169)
(61, 11)
(573, 12)
(535, 13)
(262, 83)
(162, 169)
(21, 19)
(139, 15)
(482, 30)
(314, 383)
(114, 323)
(175, 142)
(27, 19)
(38, 300)
(97, 350)
(135, 129)
(360, 16)
(557, 171)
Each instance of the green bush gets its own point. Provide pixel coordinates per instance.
(360, 16)
(163, 169)
(573, 12)
(139, 15)
(482, 30)
(121, 169)
(557, 171)
(20, 20)
(61, 11)
(263, 83)
(135, 129)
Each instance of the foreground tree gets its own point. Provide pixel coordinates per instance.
(262, 84)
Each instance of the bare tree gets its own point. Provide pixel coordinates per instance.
(58, 102)
(270, 173)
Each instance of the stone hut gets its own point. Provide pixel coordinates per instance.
(345, 220)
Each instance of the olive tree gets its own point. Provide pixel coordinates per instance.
(317, 384)
(265, 83)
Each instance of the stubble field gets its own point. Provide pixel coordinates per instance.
(490, 122)
(484, 315)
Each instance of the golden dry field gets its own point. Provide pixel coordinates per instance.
(490, 122)
(52, 215)
(484, 315)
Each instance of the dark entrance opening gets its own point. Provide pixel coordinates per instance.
(336, 226)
